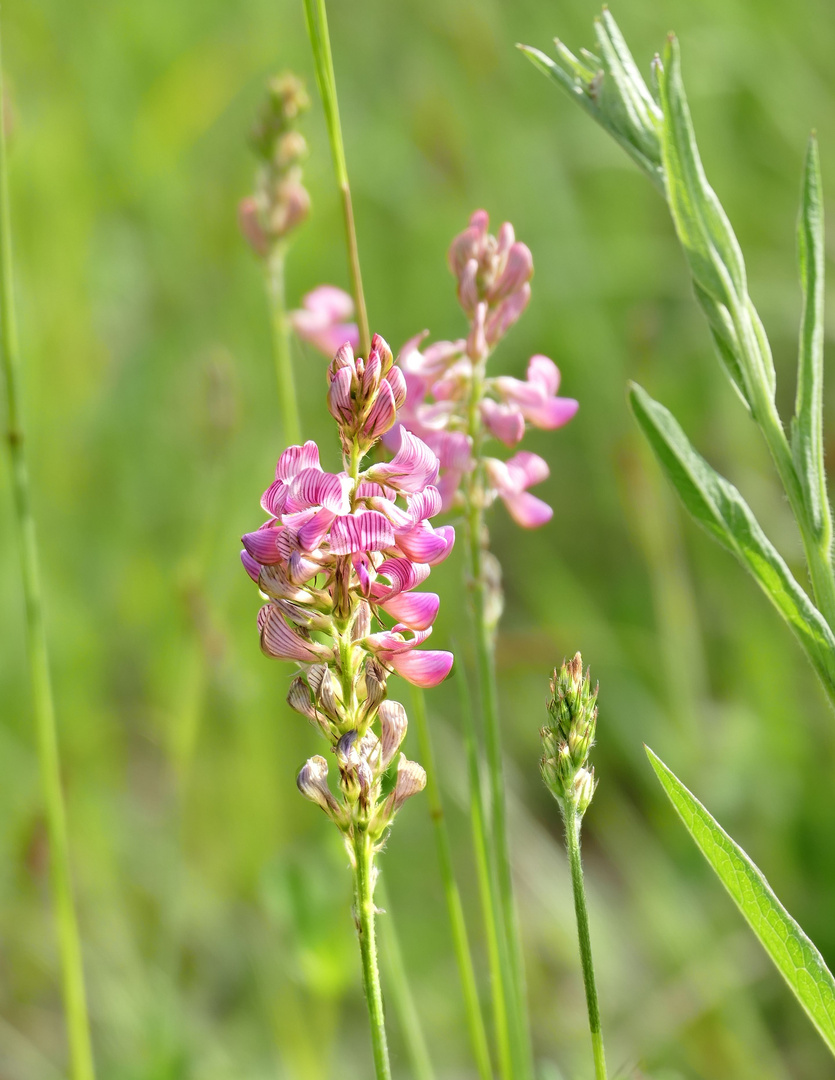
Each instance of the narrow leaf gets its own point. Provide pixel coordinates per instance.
(720, 509)
(807, 425)
(795, 956)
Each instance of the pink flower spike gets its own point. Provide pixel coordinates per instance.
(412, 467)
(423, 667)
(282, 643)
(413, 609)
(323, 319)
(370, 531)
(504, 421)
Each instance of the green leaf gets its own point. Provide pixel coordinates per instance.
(795, 956)
(720, 509)
(709, 243)
(807, 425)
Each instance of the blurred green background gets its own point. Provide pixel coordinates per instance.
(214, 901)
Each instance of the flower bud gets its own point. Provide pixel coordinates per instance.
(568, 738)
(393, 724)
(312, 782)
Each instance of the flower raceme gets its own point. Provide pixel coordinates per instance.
(339, 562)
(450, 402)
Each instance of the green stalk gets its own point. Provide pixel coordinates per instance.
(364, 912)
(401, 993)
(75, 1002)
(513, 976)
(458, 924)
(317, 28)
(487, 888)
(573, 821)
(287, 400)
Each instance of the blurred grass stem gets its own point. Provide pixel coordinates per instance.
(75, 1002)
(501, 876)
(458, 925)
(364, 912)
(317, 27)
(288, 401)
(572, 821)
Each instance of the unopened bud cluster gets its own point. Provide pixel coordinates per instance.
(568, 737)
(280, 201)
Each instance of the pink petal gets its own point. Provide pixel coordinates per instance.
(543, 370)
(339, 395)
(518, 269)
(528, 511)
(369, 531)
(402, 575)
(422, 543)
(397, 381)
(314, 531)
(399, 517)
(413, 609)
(393, 641)
(506, 314)
(330, 302)
(454, 450)
(296, 458)
(412, 467)
(312, 487)
(261, 545)
(553, 414)
(251, 566)
(279, 641)
(447, 533)
(383, 412)
(504, 421)
(425, 504)
(520, 392)
(423, 667)
(527, 469)
(274, 497)
(448, 486)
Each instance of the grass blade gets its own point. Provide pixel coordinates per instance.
(795, 956)
(720, 509)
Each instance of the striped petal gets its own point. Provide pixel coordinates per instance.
(261, 544)
(282, 643)
(339, 395)
(392, 641)
(383, 412)
(370, 531)
(403, 574)
(312, 487)
(425, 504)
(424, 544)
(296, 458)
(412, 467)
(251, 566)
(312, 533)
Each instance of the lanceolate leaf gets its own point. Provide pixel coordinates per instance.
(795, 956)
(718, 507)
(807, 425)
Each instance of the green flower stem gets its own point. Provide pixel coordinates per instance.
(487, 887)
(401, 994)
(288, 402)
(573, 822)
(458, 925)
(364, 912)
(317, 28)
(75, 1001)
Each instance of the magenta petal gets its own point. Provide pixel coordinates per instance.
(528, 511)
(370, 531)
(393, 641)
(312, 487)
(413, 609)
(402, 574)
(425, 504)
(314, 531)
(553, 414)
(518, 269)
(251, 566)
(274, 497)
(261, 545)
(518, 392)
(504, 421)
(454, 450)
(526, 469)
(422, 667)
(279, 641)
(330, 302)
(412, 467)
(296, 458)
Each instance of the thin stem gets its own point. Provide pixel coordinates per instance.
(572, 843)
(75, 1003)
(488, 888)
(401, 993)
(458, 924)
(364, 912)
(287, 400)
(317, 28)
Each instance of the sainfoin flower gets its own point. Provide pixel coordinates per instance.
(339, 562)
(453, 404)
(325, 319)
